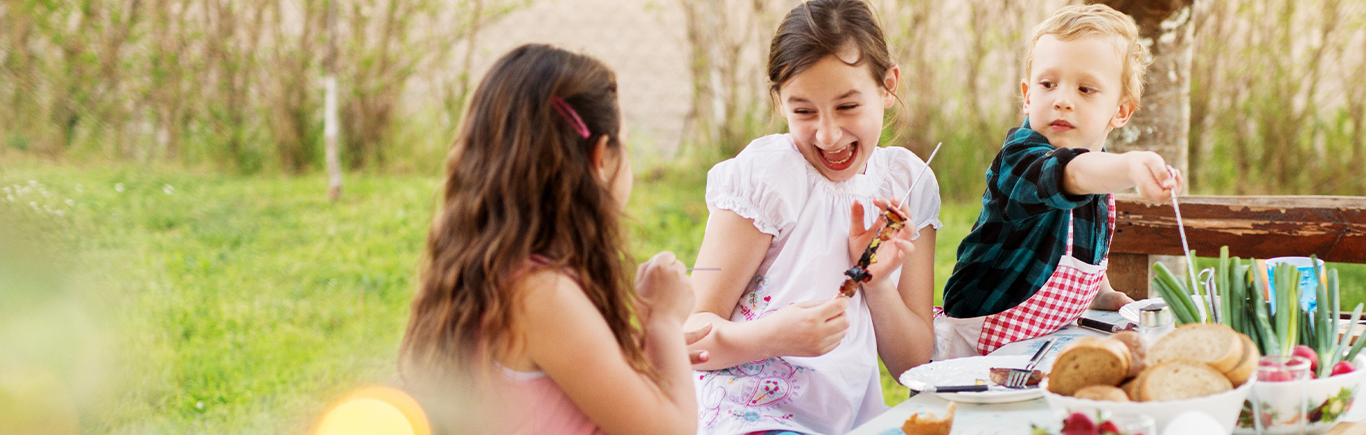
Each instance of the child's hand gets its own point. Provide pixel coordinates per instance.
(663, 286)
(689, 337)
(810, 328)
(1110, 301)
(1152, 177)
(889, 253)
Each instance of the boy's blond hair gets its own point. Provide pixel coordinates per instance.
(1078, 21)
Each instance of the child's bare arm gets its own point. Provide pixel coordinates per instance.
(1108, 298)
(903, 318)
(734, 245)
(567, 338)
(1098, 172)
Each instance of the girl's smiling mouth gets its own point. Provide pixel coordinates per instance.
(840, 159)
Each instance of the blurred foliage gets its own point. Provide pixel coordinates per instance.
(231, 84)
(1277, 106)
(1277, 103)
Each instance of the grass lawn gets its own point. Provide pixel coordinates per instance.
(222, 304)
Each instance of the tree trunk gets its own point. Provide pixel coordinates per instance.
(330, 128)
(472, 33)
(1162, 123)
(700, 34)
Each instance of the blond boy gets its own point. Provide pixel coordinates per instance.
(1036, 258)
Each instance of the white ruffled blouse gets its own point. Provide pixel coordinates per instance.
(808, 216)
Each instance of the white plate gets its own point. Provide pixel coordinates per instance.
(966, 371)
(1130, 310)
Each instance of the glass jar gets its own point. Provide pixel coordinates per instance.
(1155, 321)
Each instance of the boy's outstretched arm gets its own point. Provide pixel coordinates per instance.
(1098, 172)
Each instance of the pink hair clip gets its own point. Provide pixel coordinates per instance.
(570, 115)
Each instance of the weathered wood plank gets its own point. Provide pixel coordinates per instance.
(1128, 274)
(1334, 228)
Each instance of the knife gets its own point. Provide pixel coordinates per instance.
(927, 388)
(1108, 328)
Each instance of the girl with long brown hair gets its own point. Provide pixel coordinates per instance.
(524, 291)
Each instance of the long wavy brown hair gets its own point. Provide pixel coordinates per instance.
(520, 181)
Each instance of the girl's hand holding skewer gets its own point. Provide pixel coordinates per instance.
(890, 253)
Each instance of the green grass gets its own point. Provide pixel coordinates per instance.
(237, 305)
(228, 304)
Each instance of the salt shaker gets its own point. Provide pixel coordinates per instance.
(1155, 321)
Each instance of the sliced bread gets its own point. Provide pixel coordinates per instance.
(1089, 361)
(1215, 344)
(1181, 379)
(1247, 365)
(1130, 387)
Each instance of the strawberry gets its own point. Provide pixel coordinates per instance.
(1108, 428)
(1079, 424)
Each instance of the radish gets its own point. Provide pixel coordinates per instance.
(1308, 353)
(1342, 367)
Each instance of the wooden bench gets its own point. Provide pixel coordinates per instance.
(1331, 227)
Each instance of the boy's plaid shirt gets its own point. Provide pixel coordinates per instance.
(1022, 230)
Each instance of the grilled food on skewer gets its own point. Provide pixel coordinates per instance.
(896, 219)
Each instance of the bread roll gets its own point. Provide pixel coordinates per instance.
(928, 424)
(1089, 361)
(1138, 349)
(1102, 392)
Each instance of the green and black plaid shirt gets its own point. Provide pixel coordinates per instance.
(1022, 230)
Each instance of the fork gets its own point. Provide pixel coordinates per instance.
(1018, 378)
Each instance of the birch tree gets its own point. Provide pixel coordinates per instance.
(330, 128)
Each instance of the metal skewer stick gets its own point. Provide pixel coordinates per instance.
(1186, 250)
(922, 174)
(859, 272)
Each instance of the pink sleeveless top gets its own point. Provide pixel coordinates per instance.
(535, 404)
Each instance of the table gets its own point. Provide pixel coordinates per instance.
(1008, 418)
(994, 419)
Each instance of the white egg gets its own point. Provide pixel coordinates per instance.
(1193, 423)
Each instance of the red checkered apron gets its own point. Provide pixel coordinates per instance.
(1062, 299)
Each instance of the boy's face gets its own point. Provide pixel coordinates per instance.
(1073, 95)
(834, 112)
